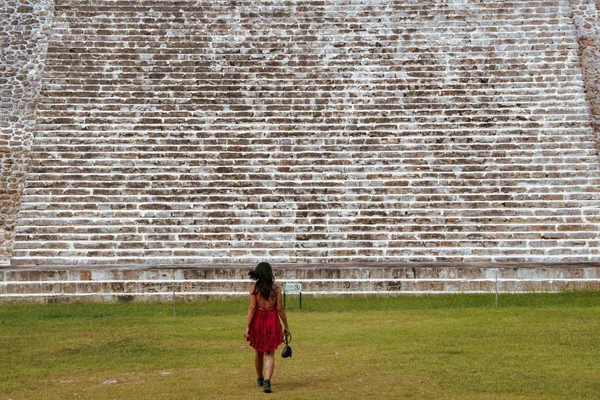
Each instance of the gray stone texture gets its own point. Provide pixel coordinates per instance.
(312, 132)
(23, 33)
(586, 19)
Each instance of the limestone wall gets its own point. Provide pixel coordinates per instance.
(23, 30)
(587, 21)
(313, 132)
(156, 284)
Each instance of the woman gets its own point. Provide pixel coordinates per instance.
(263, 329)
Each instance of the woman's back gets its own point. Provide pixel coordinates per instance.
(266, 304)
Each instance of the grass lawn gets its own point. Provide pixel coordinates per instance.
(447, 347)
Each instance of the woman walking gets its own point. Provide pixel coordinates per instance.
(263, 329)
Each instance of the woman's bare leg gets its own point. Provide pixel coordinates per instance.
(270, 357)
(259, 363)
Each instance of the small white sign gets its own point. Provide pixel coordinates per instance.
(291, 287)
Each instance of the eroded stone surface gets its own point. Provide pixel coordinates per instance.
(23, 31)
(586, 19)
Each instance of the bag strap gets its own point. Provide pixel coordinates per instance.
(287, 338)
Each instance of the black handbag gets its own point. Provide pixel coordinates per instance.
(287, 350)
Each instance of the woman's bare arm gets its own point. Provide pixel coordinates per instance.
(251, 310)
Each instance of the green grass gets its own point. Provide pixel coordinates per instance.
(536, 346)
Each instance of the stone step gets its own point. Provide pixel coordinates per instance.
(340, 208)
(450, 56)
(448, 215)
(496, 178)
(343, 216)
(79, 239)
(388, 25)
(542, 173)
(82, 84)
(495, 40)
(202, 248)
(255, 85)
(320, 9)
(269, 241)
(166, 115)
(447, 139)
(424, 110)
(481, 204)
(407, 150)
(336, 217)
(444, 216)
(542, 165)
(337, 221)
(168, 200)
(552, 40)
(108, 253)
(276, 3)
(301, 256)
(391, 61)
(420, 186)
(413, 127)
(71, 143)
(350, 13)
(334, 242)
(453, 45)
(248, 79)
(280, 256)
(162, 211)
(346, 62)
(368, 135)
(188, 71)
(394, 107)
(402, 184)
(315, 219)
(440, 193)
(353, 142)
(164, 282)
(394, 23)
(254, 88)
(491, 160)
(309, 8)
(297, 118)
(279, 106)
(429, 226)
(63, 40)
(186, 179)
(496, 158)
(299, 6)
(59, 97)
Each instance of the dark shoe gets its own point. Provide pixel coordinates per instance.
(267, 386)
(260, 381)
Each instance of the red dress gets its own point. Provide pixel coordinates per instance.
(265, 330)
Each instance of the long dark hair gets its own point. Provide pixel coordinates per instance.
(263, 275)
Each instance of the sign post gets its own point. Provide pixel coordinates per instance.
(292, 288)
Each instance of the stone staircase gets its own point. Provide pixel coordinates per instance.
(179, 132)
